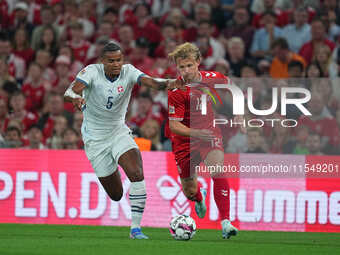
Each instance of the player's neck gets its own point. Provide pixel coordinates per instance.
(111, 77)
(197, 78)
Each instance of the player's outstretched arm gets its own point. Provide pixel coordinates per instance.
(73, 94)
(159, 83)
(179, 128)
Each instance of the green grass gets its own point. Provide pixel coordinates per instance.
(21, 239)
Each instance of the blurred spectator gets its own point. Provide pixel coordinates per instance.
(215, 48)
(321, 121)
(177, 19)
(54, 106)
(309, 5)
(105, 28)
(20, 19)
(301, 135)
(238, 143)
(70, 139)
(87, 11)
(264, 37)
(77, 121)
(76, 65)
(56, 140)
(202, 14)
(111, 15)
(295, 69)
(313, 70)
(151, 130)
(300, 30)
(313, 144)
(144, 26)
(48, 40)
(269, 6)
(94, 52)
(222, 66)
(318, 32)
(35, 138)
(217, 14)
(328, 17)
(282, 56)
(4, 72)
(12, 138)
(47, 19)
(16, 64)
(280, 140)
(126, 39)
(17, 103)
(322, 57)
(147, 110)
(126, 11)
(236, 56)
(64, 78)
(168, 5)
(4, 15)
(78, 43)
(34, 10)
(3, 116)
(58, 8)
(248, 71)
(324, 88)
(72, 15)
(255, 141)
(239, 27)
(44, 59)
(168, 34)
(140, 56)
(35, 88)
(21, 46)
(334, 67)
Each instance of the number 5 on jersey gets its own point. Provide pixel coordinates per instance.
(109, 103)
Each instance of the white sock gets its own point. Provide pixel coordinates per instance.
(137, 198)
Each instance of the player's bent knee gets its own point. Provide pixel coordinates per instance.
(117, 196)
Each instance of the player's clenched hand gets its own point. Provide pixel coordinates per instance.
(204, 134)
(175, 83)
(78, 103)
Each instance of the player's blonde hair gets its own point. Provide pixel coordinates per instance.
(185, 50)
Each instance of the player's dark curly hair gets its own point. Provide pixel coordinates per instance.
(109, 47)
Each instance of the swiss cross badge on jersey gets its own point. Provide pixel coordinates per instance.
(120, 89)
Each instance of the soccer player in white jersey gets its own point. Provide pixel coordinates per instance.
(102, 92)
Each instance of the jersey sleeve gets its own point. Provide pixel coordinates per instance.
(176, 105)
(134, 75)
(86, 75)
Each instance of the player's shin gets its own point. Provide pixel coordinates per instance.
(222, 196)
(137, 198)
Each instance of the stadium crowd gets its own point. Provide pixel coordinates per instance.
(258, 43)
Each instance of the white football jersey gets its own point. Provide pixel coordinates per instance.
(106, 101)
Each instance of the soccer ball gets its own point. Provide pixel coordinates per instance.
(182, 227)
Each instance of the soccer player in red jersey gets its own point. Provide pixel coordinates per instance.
(194, 138)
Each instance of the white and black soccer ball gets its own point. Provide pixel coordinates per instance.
(182, 227)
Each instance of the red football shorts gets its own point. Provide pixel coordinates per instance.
(190, 156)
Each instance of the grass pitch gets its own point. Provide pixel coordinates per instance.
(22, 239)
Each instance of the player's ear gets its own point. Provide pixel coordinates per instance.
(198, 61)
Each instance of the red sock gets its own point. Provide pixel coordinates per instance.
(222, 197)
(198, 196)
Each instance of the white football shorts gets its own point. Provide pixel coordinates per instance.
(104, 154)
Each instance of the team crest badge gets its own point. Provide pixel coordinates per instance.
(120, 89)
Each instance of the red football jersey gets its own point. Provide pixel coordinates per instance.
(186, 106)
